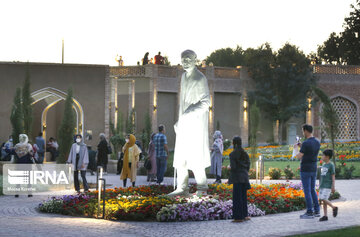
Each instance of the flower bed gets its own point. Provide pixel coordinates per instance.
(151, 203)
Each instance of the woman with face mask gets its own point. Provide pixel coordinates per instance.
(79, 158)
(131, 160)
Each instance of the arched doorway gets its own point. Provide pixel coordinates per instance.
(49, 97)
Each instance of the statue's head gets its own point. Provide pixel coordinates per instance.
(188, 60)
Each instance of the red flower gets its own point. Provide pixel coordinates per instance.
(344, 164)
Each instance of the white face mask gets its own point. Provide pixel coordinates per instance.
(78, 140)
(127, 140)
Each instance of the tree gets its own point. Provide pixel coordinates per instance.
(226, 57)
(329, 117)
(27, 104)
(117, 140)
(16, 117)
(147, 131)
(282, 81)
(344, 47)
(130, 123)
(254, 128)
(67, 129)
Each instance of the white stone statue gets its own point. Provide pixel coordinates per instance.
(192, 139)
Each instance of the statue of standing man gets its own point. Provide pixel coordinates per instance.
(192, 139)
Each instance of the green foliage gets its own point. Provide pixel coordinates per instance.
(27, 104)
(118, 141)
(166, 61)
(254, 128)
(348, 172)
(67, 129)
(282, 81)
(274, 173)
(289, 173)
(227, 143)
(130, 123)
(329, 117)
(146, 132)
(16, 117)
(345, 46)
(226, 57)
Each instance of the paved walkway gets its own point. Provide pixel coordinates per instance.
(18, 217)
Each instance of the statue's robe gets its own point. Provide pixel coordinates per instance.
(192, 139)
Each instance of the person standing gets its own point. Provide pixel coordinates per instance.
(79, 158)
(23, 152)
(102, 152)
(159, 59)
(192, 139)
(131, 160)
(92, 160)
(6, 156)
(146, 59)
(162, 152)
(239, 177)
(152, 157)
(40, 142)
(327, 184)
(308, 166)
(216, 156)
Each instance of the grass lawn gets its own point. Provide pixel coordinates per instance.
(346, 232)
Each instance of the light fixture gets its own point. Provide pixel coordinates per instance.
(245, 105)
(210, 108)
(155, 107)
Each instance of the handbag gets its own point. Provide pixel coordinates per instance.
(147, 164)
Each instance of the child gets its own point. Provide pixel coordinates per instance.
(327, 183)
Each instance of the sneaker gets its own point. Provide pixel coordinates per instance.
(30, 195)
(317, 214)
(307, 215)
(324, 218)
(16, 195)
(335, 211)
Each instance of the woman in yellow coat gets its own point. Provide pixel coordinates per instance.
(131, 160)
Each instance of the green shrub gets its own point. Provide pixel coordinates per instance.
(274, 173)
(289, 173)
(252, 174)
(348, 172)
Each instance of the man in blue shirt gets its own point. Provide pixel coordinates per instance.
(162, 153)
(308, 166)
(40, 142)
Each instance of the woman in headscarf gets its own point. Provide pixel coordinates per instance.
(239, 177)
(152, 158)
(216, 156)
(79, 158)
(23, 152)
(102, 153)
(131, 160)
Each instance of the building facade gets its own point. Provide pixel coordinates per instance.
(102, 93)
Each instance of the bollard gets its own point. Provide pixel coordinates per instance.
(104, 190)
(99, 175)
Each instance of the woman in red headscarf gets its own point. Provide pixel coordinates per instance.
(131, 160)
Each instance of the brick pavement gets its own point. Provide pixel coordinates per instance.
(18, 217)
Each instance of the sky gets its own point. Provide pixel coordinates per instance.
(94, 32)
